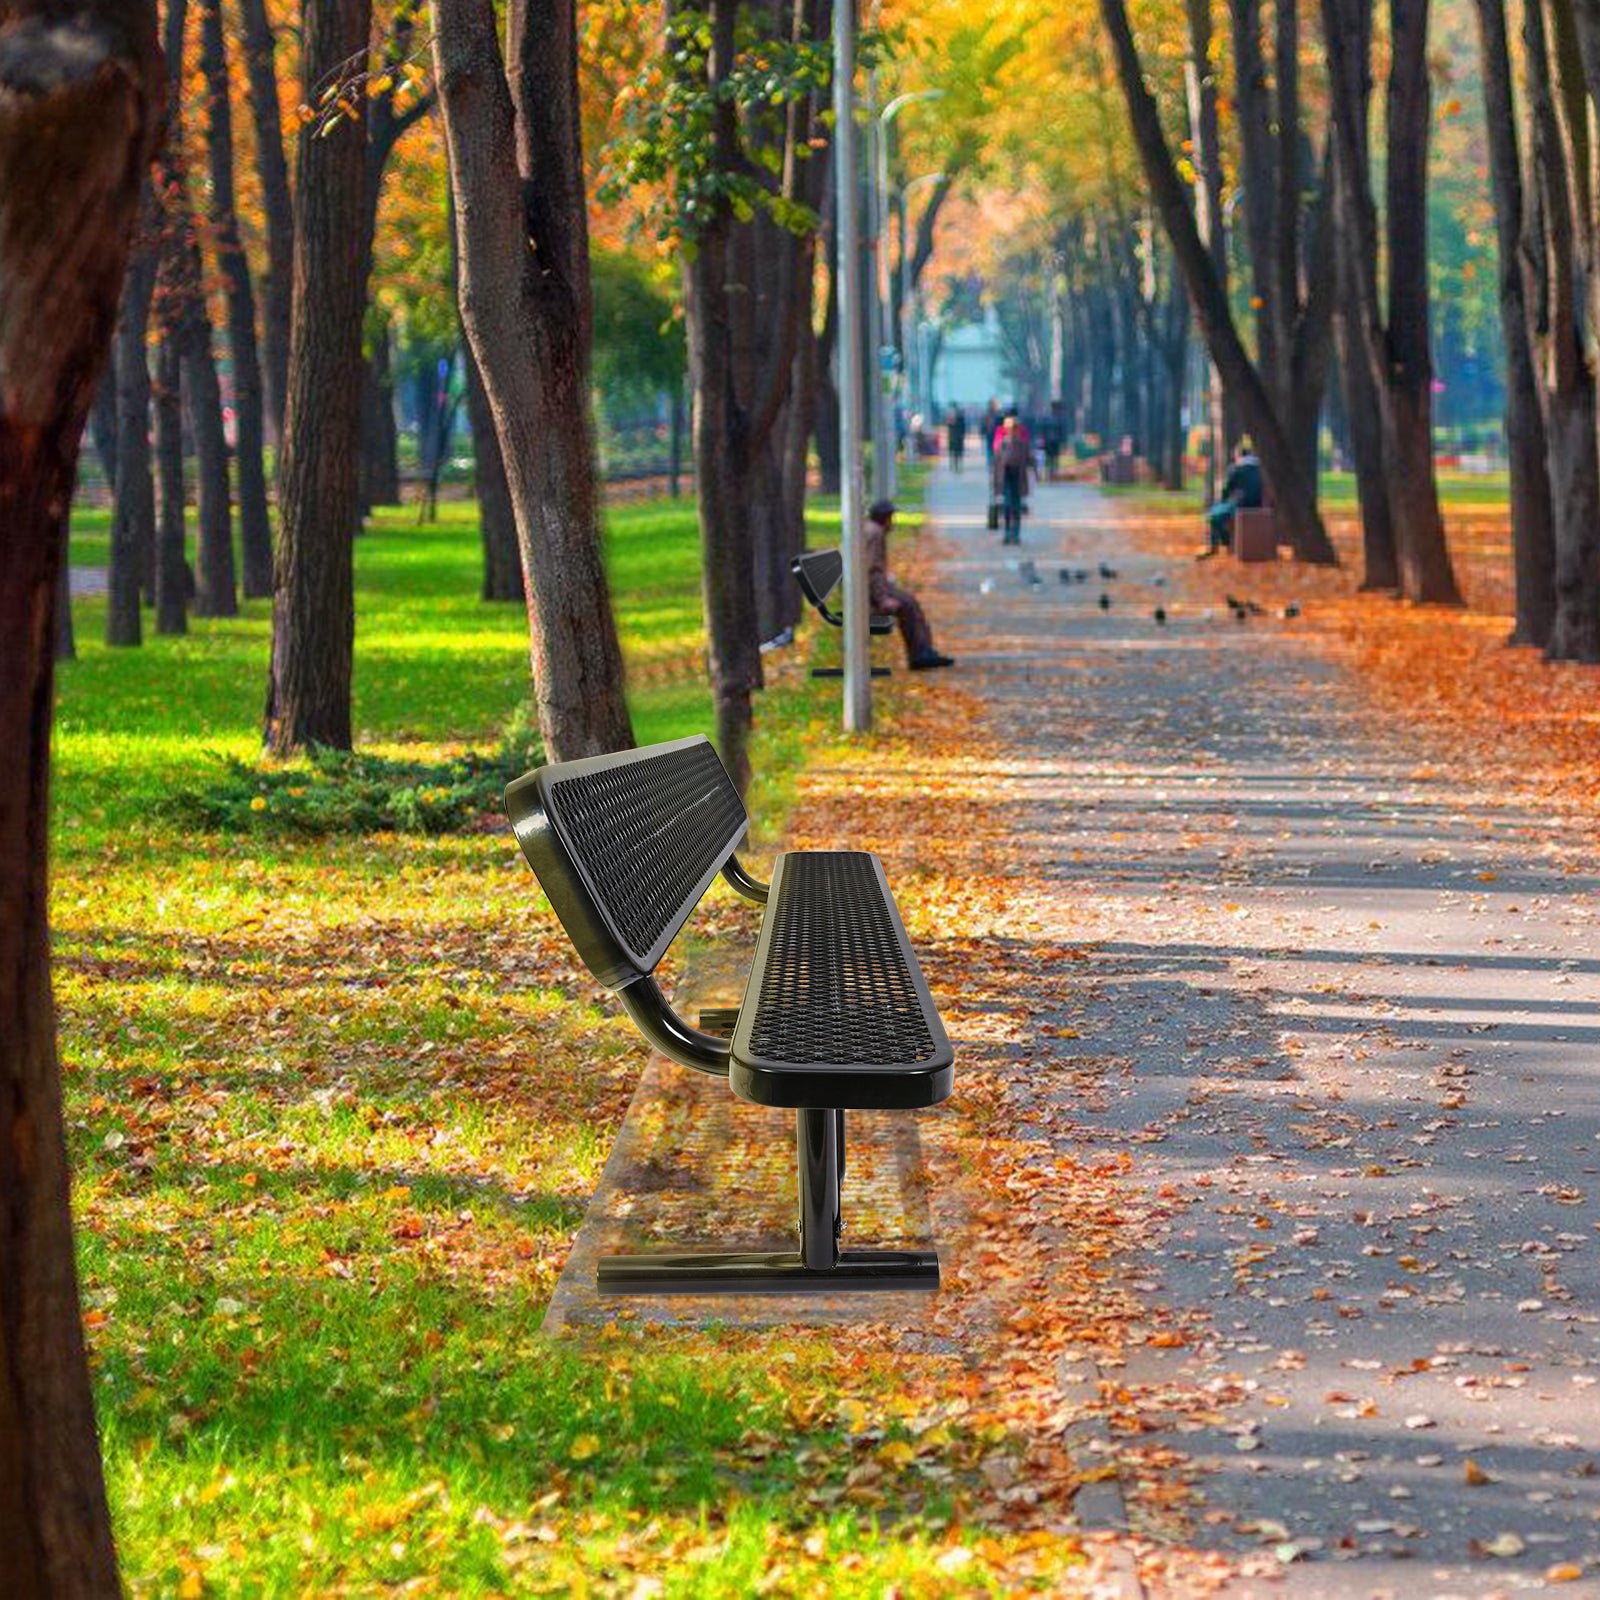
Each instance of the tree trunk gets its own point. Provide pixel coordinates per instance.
(255, 526)
(526, 307)
(103, 424)
(313, 606)
(1205, 134)
(272, 171)
(1296, 499)
(172, 575)
(1425, 569)
(80, 108)
(497, 520)
(1568, 389)
(380, 447)
(133, 515)
(1532, 515)
(184, 308)
(1380, 567)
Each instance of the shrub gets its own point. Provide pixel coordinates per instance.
(344, 792)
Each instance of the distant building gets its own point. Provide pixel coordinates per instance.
(969, 369)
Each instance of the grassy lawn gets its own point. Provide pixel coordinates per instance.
(336, 1107)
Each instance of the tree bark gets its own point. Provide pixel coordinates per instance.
(134, 509)
(380, 438)
(526, 308)
(184, 310)
(1552, 246)
(80, 108)
(1205, 134)
(272, 170)
(497, 520)
(1296, 499)
(1532, 515)
(255, 526)
(313, 605)
(172, 574)
(1396, 338)
(1380, 567)
(825, 409)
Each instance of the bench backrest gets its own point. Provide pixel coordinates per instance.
(819, 573)
(625, 846)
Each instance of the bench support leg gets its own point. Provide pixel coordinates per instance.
(819, 1266)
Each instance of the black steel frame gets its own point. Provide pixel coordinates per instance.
(818, 1266)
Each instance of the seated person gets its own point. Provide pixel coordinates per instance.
(887, 598)
(1244, 489)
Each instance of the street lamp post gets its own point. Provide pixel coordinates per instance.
(847, 275)
(909, 335)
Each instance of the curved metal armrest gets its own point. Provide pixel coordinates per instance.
(654, 1017)
(741, 882)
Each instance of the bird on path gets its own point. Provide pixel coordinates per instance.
(1105, 602)
(1108, 573)
(1291, 611)
(1160, 614)
(1029, 573)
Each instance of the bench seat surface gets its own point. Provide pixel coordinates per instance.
(836, 1011)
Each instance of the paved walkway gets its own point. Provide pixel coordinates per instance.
(1343, 1007)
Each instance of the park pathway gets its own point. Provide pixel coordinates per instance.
(1341, 1010)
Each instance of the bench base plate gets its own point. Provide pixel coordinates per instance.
(838, 672)
(769, 1272)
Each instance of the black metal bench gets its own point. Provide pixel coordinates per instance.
(836, 1014)
(819, 573)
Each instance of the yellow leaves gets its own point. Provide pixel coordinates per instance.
(897, 1454)
(1563, 1572)
(584, 1448)
(1474, 1475)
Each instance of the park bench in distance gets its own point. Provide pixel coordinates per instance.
(819, 573)
(836, 1014)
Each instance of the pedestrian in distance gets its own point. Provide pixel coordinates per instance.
(1012, 469)
(887, 598)
(1244, 489)
(991, 426)
(955, 436)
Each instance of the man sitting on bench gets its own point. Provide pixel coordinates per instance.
(1244, 489)
(886, 596)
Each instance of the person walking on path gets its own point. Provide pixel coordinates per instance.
(1012, 468)
(955, 434)
(1244, 489)
(887, 598)
(991, 426)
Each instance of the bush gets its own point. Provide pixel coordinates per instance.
(343, 792)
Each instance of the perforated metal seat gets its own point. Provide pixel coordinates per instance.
(836, 1016)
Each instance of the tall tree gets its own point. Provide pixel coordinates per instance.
(1394, 327)
(1280, 454)
(277, 204)
(516, 171)
(172, 571)
(1556, 237)
(134, 508)
(183, 311)
(255, 528)
(81, 94)
(319, 489)
(1532, 514)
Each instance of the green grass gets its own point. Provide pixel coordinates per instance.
(336, 1107)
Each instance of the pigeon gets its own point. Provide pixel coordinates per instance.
(1291, 611)
(1254, 609)
(987, 586)
(1029, 573)
(1160, 614)
(1108, 573)
(1159, 581)
(1233, 604)
(1105, 602)
(1065, 575)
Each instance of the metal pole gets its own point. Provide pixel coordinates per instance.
(882, 268)
(847, 269)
